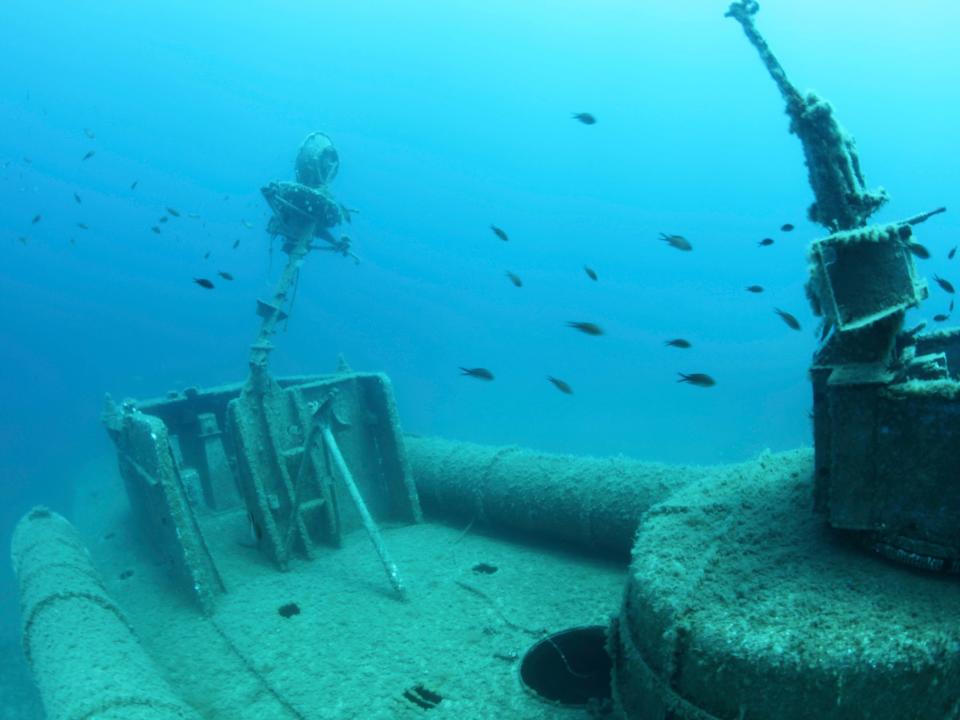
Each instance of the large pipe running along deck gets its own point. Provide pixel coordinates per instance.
(83, 653)
(592, 503)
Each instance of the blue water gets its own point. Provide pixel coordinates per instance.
(448, 116)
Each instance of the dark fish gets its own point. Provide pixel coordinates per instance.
(236, 243)
(561, 385)
(77, 199)
(89, 155)
(206, 255)
(945, 284)
(478, 373)
(698, 379)
(953, 251)
(591, 273)
(173, 211)
(225, 275)
(163, 219)
(585, 118)
(515, 279)
(156, 229)
(83, 226)
(766, 242)
(133, 185)
(90, 133)
(919, 250)
(754, 288)
(789, 319)
(586, 327)
(941, 317)
(36, 219)
(678, 343)
(786, 227)
(499, 233)
(204, 283)
(676, 241)
(951, 305)
(24, 239)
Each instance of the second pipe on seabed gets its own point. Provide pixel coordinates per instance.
(592, 503)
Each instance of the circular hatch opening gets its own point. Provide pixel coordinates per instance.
(570, 667)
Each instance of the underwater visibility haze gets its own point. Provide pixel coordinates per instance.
(573, 227)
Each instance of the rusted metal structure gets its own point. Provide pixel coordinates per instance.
(305, 458)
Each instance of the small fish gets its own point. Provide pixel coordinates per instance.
(585, 118)
(247, 225)
(588, 328)
(163, 219)
(591, 273)
(36, 219)
(348, 213)
(156, 229)
(77, 199)
(561, 385)
(678, 343)
(945, 284)
(133, 185)
(786, 227)
(173, 211)
(206, 255)
(225, 275)
(951, 305)
(953, 251)
(698, 379)
(83, 226)
(23, 239)
(515, 279)
(478, 373)
(236, 243)
(90, 154)
(27, 160)
(919, 250)
(204, 283)
(676, 241)
(90, 133)
(193, 216)
(755, 288)
(789, 319)
(766, 242)
(499, 232)
(940, 317)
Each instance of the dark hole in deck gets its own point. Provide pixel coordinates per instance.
(570, 667)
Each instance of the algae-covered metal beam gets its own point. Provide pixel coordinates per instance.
(842, 200)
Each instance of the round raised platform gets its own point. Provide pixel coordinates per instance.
(742, 603)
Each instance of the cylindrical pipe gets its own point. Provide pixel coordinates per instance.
(594, 503)
(372, 530)
(85, 658)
